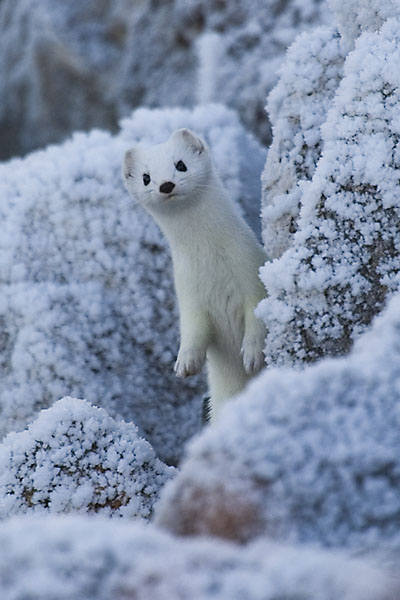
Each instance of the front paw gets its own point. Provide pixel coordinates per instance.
(253, 357)
(189, 362)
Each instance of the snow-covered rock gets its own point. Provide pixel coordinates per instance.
(343, 261)
(76, 458)
(297, 107)
(87, 307)
(74, 65)
(356, 16)
(77, 558)
(309, 456)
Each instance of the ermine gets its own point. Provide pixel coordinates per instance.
(216, 259)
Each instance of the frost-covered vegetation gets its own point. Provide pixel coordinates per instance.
(304, 465)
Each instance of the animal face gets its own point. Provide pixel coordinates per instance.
(168, 174)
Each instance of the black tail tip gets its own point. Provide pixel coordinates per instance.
(206, 410)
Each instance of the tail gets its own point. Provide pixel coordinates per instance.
(226, 378)
(206, 410)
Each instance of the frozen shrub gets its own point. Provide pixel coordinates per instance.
(87, 307)
(297, 107)
(309, 456)
(77, 558)
(344, 257)
(75, 457)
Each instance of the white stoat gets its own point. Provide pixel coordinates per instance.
(216, 259)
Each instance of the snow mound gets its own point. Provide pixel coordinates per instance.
(75, 457)
(343, 260)
(88, 306)
(309, 456)
(76, 558)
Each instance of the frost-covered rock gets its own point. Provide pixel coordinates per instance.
(76, 558)
(309, 456)
(87, 306)
(297, 107)
(356, 16)
(76, 458)
(344, 258)
(75, 65)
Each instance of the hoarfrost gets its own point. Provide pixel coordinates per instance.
(75, 457)
(356, 16)
(342, 263)
(297, 107)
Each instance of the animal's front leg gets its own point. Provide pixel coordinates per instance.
(195, 337)
(253, 342)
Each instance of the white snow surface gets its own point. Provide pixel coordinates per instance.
(76, 558)
(309, 456)
(87, 306)
(76, 458)
(342, 262)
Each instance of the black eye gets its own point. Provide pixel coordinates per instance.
(146, 179)
(180, 166)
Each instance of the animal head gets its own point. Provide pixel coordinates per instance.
(167, 174)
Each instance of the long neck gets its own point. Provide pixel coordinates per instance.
(198, 220)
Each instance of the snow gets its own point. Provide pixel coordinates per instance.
(77, 558)
(341, 264)
(75, 457)
(88, 306)
(307, 457)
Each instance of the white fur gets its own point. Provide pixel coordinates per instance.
(216, 259)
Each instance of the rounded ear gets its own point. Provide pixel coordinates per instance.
(129, 161)
(190, 139)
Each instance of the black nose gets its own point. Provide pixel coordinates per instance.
(167, 187)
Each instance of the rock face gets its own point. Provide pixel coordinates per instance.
(88, 306)
(76, 458)
(332, 215)
(78, 65)
(310, 456)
